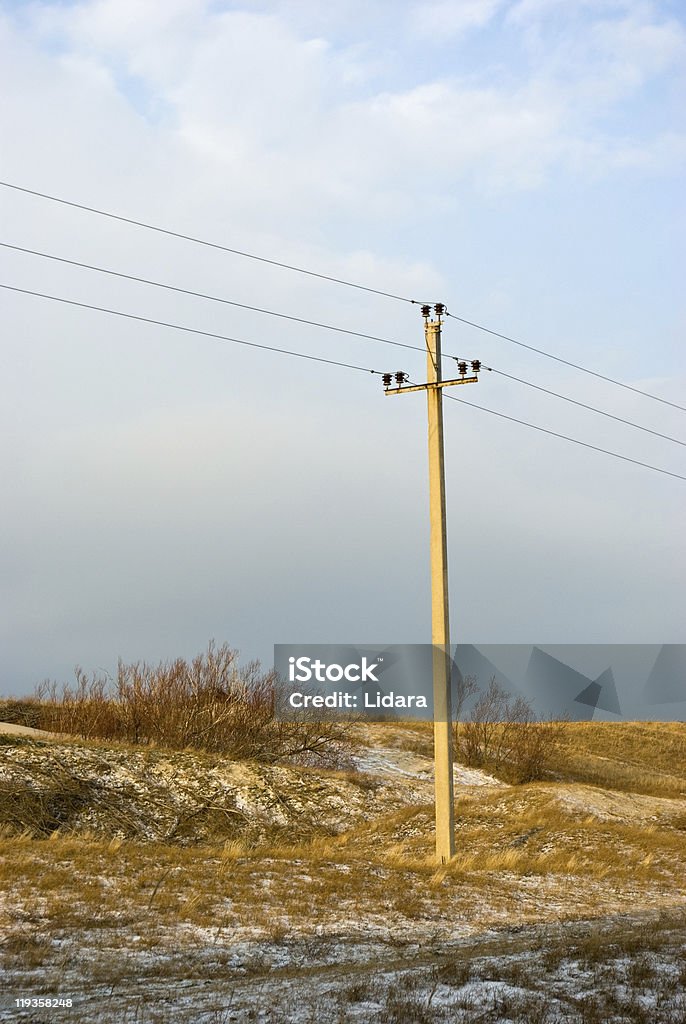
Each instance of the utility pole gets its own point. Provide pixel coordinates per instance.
(440, 615)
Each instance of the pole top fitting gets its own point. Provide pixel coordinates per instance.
(440, 308)
(426, 311)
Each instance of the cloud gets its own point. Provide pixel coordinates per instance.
(164, 488)
(288, 118)
(449, 18)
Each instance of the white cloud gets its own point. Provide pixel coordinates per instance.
(288, 119)
(449, 18)
(533, 11)
(318, 137)
(603, 52)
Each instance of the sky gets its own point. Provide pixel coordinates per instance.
(521, 161)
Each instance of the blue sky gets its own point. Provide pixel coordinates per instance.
(522, 161)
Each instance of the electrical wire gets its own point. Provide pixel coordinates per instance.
(565, 437)
(566, 362)
(315, 323)
(189, 330)
(211, 245)
(334, 280)
(204, 295)
(319, 359)
(583, 405)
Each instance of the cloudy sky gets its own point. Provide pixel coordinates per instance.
(520, 160)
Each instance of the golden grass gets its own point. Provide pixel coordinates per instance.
(385, 866)
(637, 757)
(524, 853)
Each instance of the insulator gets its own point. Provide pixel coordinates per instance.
(426, 310)
(387, 379)
(476, 365)
(440, 308)
(400, 377)
(462, 367)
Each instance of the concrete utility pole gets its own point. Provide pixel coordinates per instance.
(440, 615)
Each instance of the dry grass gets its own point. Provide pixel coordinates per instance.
(165, 914)
(633, 757)
(636, 757)
(507, 840)
(179, 797)
(565, 850)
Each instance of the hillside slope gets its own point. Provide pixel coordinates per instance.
(158, 885)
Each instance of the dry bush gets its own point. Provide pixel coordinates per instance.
(41, 813)
(209, 703)
(503, 734)
(20, 712)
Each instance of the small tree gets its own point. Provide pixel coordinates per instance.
(504, 734)
(481, 731)
(466, 687)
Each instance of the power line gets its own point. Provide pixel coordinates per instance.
(317, 359)
(582, 405)
(189, 330)
(204, 295)
(211, 245)
(565, 437)
(314, 323)
(334, 280)
(566, 362)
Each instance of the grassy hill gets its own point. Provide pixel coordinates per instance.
(157, 885)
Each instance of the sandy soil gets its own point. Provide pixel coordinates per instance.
(24, 730)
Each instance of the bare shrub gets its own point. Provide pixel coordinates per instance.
(20, 712)
(533, 745)
(504, 734)
(465, 688)
(209, 703)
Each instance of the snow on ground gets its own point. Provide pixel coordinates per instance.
(394, 761)
(608, 805)
(382, 945)
(155, 795)
(555, 974)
